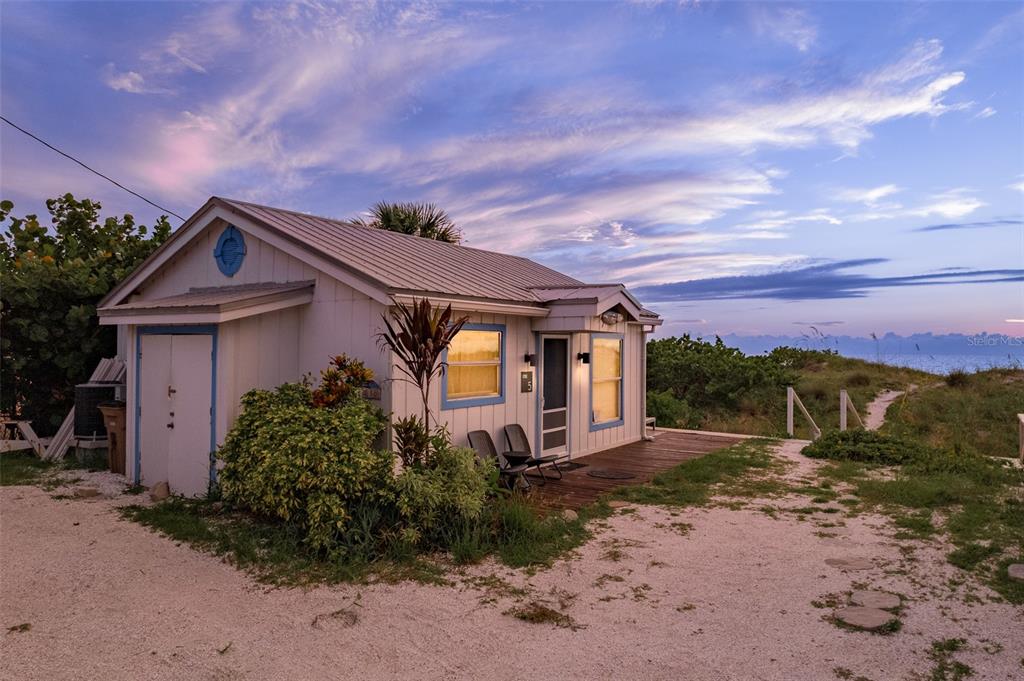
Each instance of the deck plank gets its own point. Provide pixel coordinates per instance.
(643, 459)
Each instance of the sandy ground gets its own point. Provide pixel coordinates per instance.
(874, 414)
(718, 593)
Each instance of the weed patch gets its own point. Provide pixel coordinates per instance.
(538, 613)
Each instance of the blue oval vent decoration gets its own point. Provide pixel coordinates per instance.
(230, 251)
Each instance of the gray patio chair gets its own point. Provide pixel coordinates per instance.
(519, 444)
(510, 470)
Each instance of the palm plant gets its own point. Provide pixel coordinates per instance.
(418, 334)
(419, 219)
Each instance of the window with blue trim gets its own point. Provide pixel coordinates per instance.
(476, 367)
(606, 369)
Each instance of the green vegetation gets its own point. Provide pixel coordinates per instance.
(946, 668)
(419, 219)
(975, 413)
(864, 446)
(51, 278)
(978, 498)
(699, 384)
(23, 468)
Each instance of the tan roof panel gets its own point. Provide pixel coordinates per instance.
(215, 298)
(408, 264)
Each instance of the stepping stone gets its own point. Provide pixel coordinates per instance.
(570, 514)
(618, 503)
(850, 563)
(882, 600)
(86, 492)
(869, 619)
(1016, 571)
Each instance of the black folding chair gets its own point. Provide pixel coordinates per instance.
(519, 444)
(510, 470)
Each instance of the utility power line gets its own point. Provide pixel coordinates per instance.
(91, 170)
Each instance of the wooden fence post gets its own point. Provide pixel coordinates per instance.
(1020, 425)
(789, 410)
(843, 399)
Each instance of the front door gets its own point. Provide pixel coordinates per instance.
(176, 411)
(554, 406)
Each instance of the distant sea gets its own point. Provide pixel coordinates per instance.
(943, 364)
(938, 354)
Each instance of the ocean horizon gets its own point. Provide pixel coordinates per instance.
(937, 354)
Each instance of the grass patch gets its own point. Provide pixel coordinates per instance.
(970, 556)
(23, 468)
(915, 525)
(945, 667)
(695, 482)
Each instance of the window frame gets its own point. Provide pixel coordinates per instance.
(594, 426)
(466, 402)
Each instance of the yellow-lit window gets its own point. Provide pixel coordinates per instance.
(606, 380)
(474, 364)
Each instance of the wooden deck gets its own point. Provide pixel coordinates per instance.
(643, 459)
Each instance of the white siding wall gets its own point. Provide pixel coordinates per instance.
(583, 440)
(522, 407)
(518, 407)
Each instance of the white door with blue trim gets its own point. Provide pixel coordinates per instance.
(175, 373)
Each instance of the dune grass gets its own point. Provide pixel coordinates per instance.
(818, 384)
(976, 413)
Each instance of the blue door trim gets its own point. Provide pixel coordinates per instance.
(198, 330)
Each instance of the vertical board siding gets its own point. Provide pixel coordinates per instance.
(518, 407)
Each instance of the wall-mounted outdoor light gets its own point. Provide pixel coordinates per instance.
(530, 359)
(583, 357)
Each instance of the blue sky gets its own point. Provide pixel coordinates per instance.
(747, 168)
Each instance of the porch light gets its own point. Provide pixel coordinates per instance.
(530, 359)
(583, 357)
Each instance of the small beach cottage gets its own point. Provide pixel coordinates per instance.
(244, 296)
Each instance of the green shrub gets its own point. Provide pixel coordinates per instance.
(448, 495)
(671, 412)
(712, 375)
(286, 459)
(866, 446)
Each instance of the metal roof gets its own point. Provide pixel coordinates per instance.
(403, 263)
(215, 299)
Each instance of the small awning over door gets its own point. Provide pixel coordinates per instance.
(211, 305)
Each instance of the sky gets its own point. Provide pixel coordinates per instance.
(744, 168)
